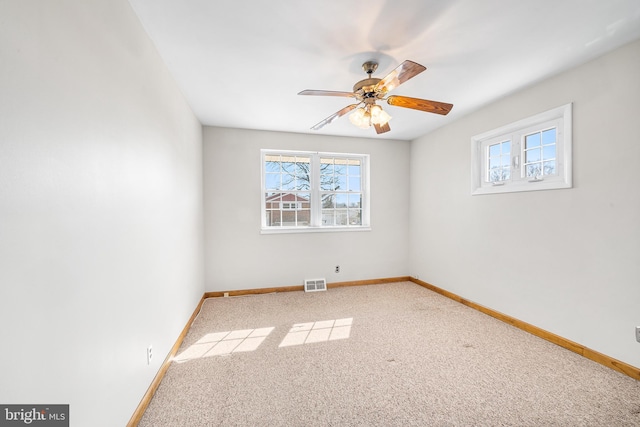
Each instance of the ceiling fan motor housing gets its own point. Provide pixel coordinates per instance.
(366, 88)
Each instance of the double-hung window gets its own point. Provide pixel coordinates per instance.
(531, 154)
(310, 191)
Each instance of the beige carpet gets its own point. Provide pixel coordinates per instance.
(380, 355)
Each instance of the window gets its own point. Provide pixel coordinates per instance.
(303, 191)
(291, 206)
(531, 154)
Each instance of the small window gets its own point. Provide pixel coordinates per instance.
(304, 191)
(531, 154)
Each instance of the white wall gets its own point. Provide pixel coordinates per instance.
(100, 208)
(567, 261)
(239, 257)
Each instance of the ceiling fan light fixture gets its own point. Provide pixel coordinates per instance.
(360, 118)
(365, 117)
(379, 116)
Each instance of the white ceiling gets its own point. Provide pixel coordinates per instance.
(241, 63)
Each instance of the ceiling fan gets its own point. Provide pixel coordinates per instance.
(367, 113)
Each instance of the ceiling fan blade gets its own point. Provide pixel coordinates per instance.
(420, 104)
(327, 93)
(382, 128)
(401, 74)
(334, 116)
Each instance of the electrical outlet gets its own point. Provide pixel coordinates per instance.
(638, 333)
(149, 354)
(337, 269)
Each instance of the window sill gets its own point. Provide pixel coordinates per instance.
(515, 187)
(296, 230)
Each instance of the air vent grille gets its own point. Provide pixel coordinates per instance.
(314, 285)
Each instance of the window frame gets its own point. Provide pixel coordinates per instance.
(559, 118)
(315, 191)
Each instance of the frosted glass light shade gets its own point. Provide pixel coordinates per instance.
(361, 118)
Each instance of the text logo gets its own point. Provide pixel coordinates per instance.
(34, 415)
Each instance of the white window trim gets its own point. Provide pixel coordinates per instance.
(560, 117)
(315, 195)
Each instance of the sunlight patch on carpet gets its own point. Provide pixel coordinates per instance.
(321, 331)
(223, 343)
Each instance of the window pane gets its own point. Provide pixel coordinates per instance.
(329, 201)
(272, 166)
(494, 150)
(303, 179)
(326, 166)
(341, 217)
(499, 161)
(355, 217)
(354, 183)
(549, 136)
(301, 184)
(303, 200)
(302, 165)
(354, 169)
(272, 200)
(499, 174)
(506, 173)
(288, 218)
(288, 182)
(326, 184)
(326, 175)
(550, 167)
(328, 217)
(274, 218)
(532, 155)
(288, 166)
(532, 140)
(340, 182)
(549, 152)
(272, 181)
(304, 217)
(355, 200)
(533, 170)
(341, 200)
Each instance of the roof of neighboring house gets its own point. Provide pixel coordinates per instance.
(287, 197)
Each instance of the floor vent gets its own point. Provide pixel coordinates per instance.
(315, 285)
